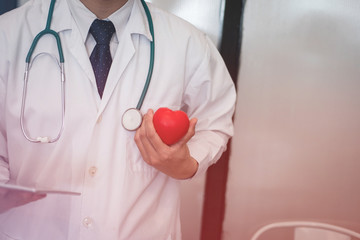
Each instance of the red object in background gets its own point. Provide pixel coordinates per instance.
(170, 125)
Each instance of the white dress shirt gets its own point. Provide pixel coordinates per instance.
(83, 18)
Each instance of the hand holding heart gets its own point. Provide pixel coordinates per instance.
(173, 160)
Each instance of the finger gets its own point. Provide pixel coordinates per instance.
(18, 198)
(190, 133)
(151, 133)
(146, 148)
(139, 135)
(38, 196)
(25, 197)
(3, 192)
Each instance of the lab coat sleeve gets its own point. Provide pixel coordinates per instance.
(210, 97)
(4, 164)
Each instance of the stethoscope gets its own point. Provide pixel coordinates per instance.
(132, 117)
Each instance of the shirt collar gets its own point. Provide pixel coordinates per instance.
(133, 14)
(129, 18)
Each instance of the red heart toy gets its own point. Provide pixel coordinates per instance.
(170, 125)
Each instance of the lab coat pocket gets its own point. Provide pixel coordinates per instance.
(134, 160)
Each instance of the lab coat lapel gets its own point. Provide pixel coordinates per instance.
(63, 20)
(138, 24)
(78, 50)
(123, 55)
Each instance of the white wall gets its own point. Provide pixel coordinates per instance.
(296, 151)
(206, 15)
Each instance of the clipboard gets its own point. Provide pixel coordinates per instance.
(9, 186)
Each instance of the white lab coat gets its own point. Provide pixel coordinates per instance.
(121, 196)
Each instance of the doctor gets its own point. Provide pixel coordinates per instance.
(129, 180)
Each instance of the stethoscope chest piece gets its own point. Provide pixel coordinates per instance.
(132, 119)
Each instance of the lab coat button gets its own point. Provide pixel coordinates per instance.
(99, 120)
(87, 222)
(92, 171)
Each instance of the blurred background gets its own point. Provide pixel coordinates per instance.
(293, 166)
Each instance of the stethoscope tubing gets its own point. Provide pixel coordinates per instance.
(134, 115)
(61, 61)
(28, 65)
(152, 56)
(26, 78)
(47, 30)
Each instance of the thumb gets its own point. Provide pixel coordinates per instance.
(190, 133)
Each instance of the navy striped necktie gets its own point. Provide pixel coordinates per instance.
(100, 57)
